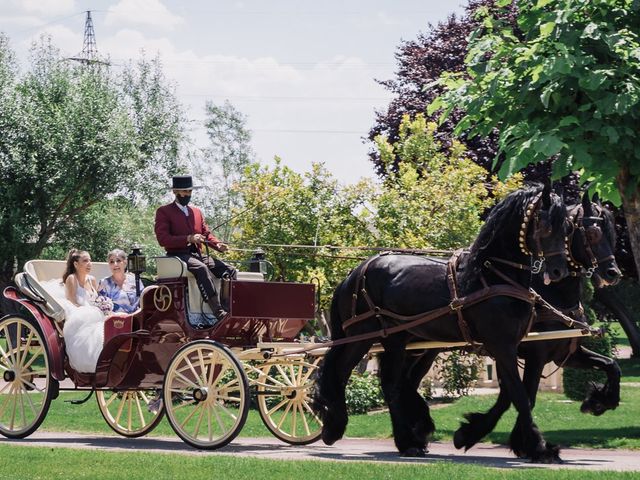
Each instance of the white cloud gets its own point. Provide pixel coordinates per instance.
(45, 8)
(143, 12)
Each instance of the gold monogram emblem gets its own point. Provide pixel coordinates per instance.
(118, 323)
(162, 298)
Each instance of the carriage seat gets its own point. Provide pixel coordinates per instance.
(40, 276)
(173, 267)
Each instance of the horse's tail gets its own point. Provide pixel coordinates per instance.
(336, 319)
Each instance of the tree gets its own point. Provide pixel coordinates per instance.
(158, 120)
(288, 208)
(442, 48)
(71, 137)
(563, 85)
(223, 162)
(436, 199)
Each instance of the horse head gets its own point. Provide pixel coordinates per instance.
(525, 233)
(543, 235)
(592, 242)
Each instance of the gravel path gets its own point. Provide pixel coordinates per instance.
(346, 450)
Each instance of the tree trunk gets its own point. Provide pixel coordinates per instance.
(630, 192)
(612, 302)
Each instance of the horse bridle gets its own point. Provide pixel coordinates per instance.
(576, 216)
(531, 218)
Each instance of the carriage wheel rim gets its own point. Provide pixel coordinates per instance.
(25, 392)
(284, 401)
(205, 394)
(131, 413)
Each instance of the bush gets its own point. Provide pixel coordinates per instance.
(576, 381)
(459, 371)
(363, 393)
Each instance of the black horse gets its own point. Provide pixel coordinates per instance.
(527, 228)
(592, 242)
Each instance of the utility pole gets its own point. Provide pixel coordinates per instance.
(89, 54)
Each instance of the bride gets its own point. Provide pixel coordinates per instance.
(84, 322)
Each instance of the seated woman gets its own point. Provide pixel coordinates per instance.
(84, 322)
(120, 287)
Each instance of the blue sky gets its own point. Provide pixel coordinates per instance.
(302, 72)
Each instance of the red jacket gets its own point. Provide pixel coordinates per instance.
(173, 227)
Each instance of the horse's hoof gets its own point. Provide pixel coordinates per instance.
(551, 454)
(329, 439)
(460, 438)
(415, 452)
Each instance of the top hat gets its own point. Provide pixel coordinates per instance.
(183, 182)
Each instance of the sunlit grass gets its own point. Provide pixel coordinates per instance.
(45, 463)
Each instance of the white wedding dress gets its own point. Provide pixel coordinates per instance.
(83, 327)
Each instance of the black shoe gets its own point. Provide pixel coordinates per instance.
(221, 314)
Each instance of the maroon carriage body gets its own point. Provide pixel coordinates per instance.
(259, 311)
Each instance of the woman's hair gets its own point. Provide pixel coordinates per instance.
(72, 257)
(116, 252)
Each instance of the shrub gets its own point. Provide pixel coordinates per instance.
(363, 393)
(459, 371)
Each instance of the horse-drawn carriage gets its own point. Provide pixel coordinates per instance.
(166, 357)
(156, 361)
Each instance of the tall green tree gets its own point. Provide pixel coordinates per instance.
(223, 162)
(288, 208)
(564, 84)
(431, 197)
(72, 136)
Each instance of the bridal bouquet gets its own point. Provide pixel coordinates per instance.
(105, 304)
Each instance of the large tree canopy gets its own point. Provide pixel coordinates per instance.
(442, 48)
(564, 84)
(72, 136)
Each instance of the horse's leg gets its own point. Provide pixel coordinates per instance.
(600, 397)
(329, 397)
(400, 376)
(535, 360)
(418, 408)
(531, 441)
(478, 425)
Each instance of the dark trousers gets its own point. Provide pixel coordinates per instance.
(204, 269)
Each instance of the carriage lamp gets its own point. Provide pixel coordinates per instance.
(137, 264)
(258, 262)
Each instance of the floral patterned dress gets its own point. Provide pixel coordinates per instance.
(124, 299)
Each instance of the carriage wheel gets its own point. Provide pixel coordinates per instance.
(283, 400)
(25, 380)
(206, 394)
(131, 413)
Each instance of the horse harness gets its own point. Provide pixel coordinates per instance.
(457, 303)
(591, 235)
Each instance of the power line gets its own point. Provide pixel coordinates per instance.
(283, 97)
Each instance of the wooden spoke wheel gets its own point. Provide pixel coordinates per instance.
(131, 413)
(26, 385)
(206, 394)
(283, 395)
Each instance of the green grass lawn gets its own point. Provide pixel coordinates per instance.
(43, 464)
(619, 337)
(559, 419)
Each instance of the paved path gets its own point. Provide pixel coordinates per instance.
(345, 450)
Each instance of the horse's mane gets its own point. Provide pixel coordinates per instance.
(503, 220)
